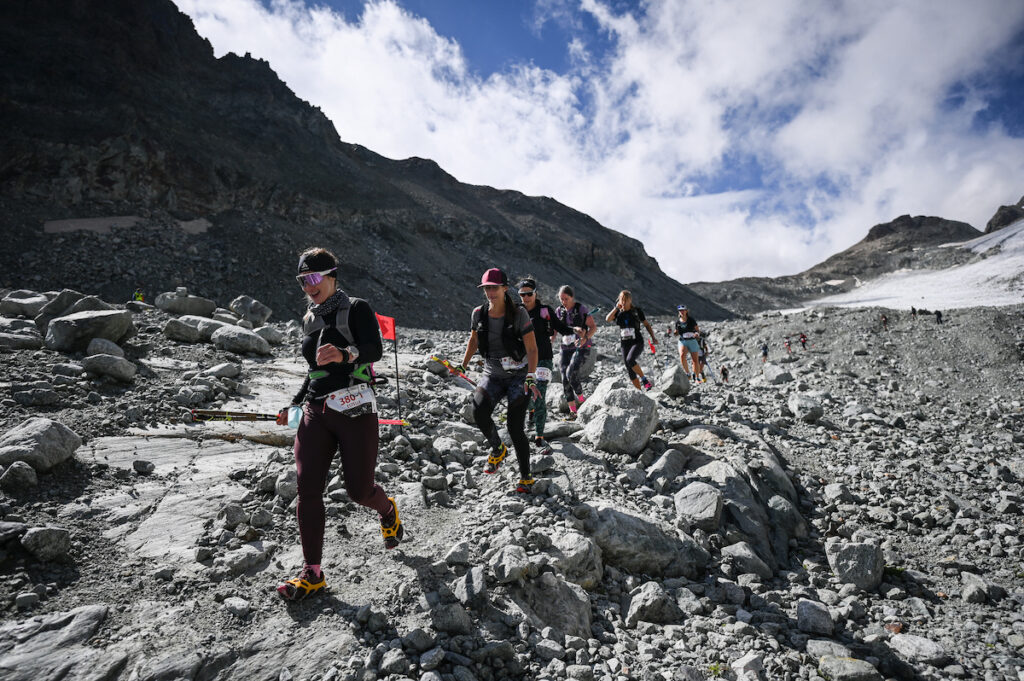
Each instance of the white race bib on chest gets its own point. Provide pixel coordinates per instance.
(509, 364)
(543, 374)
(628, 332)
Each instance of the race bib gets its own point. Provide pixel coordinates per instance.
(628, 332)
(509, 364)
(569, 339)
(689, 335)
(543, 374)
(352, 398)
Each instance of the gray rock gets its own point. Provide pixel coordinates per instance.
(749, 667)
(52, 646)
(667, 468)
(11, 530)
(451, 618)
(22, 302)
(251, 310)
(117, 368)
(179, 302)
(88, 304)
(225, 370)
(21, 341)
(237, 339)
(47, 543)
(699, 506)
(618, 418)
(269, 334)
(847, 669)
(550, 601)
(261, 517)
(919, 649)
(805, 408)
(578, 558)
(102, 346)
(72, 331)
(36, 397)
(26, 600)
(432, 659)
(642, 547)
(39, 442)
(287, 485)
(471, 588)
(18, 477)
(458, 554)
(549, 650)
(239, 607)
(837, 493)
(143, 467)
(177, 330)
(822, 647)
(776, 375)
(510, 564)
(651, 603)
(674, 382)
(58, 307)
(813, 618)
(862, 565)
(234, 515)
(746, 560)
(394, 661)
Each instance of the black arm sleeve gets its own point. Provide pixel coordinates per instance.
(558, 325)
(363, 324)
(301, 395)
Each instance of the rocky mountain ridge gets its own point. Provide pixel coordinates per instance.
(121, 109)
(904, 243)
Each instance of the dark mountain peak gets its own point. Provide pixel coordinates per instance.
(921, 230)
(1006, 216)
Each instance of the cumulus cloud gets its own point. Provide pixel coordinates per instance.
(733, 139)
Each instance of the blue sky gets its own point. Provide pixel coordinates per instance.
(732, 139)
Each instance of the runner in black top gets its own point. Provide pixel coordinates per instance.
(803, 340)
(575, 348)
(628, 317)
(339, 413)
(503, 333)
(688, 332)
(545, 324)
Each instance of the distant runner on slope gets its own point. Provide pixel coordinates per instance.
(545, 324)
(628, 317)
(575, 347)
(502, 332)
(688, 331)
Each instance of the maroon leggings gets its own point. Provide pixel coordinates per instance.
(322, 433)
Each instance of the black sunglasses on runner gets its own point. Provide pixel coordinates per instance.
(523, 294)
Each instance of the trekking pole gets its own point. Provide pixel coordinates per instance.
(398, 387)
(208, 415)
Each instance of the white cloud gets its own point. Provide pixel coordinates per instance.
(843, 109)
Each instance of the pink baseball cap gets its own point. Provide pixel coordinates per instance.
(493, 277)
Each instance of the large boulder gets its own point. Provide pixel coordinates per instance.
(860, 564)
(578, 558)
(275, 337)
(22, 302)
(550, 601)
(178, 330)
(47, 543)
(88, 304)
(674, 381)
(746, 560)
(237, 339)
(55, 646)
(71, 331)
(640, 546)
(618, 418)
(699, 506)
(251, 310)
(649, 602)
(180, 302)
(58, 307)
(805, 407)
(113, 366)
(667, 468)
(776, 375)
(39, 442)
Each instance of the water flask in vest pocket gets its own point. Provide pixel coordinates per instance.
(294, 416)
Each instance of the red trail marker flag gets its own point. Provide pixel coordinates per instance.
(387, 327)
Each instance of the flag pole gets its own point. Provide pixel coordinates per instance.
(398, 387)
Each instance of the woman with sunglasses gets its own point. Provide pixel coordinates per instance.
(503, 334)
(339, 413)
(545, 324)
(628, 317)
(575, 346)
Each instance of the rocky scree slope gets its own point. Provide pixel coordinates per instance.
(121, 109)
(905, 243)
(848, 511)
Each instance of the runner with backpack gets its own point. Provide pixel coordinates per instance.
(503, 333)
(575, 347)
(341, 338)
(545, 325)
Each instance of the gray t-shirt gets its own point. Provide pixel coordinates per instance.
(495, 348)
